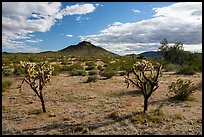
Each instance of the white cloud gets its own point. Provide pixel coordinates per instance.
(136, 11)
(34, 41)
(116, 24)
(179, 22)
(21, 19)
(69, 35)
(78, 9)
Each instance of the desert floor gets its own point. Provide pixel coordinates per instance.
(101, 107)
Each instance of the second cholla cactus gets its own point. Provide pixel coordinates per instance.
(145, 76)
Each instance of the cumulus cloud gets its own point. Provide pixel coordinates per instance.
(34, 41)
(69, 35)
(21, 19)
(78, 9)
(136, 11)
(179, 22)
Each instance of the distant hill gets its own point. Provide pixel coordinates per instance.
(85, 48)
(150, 54)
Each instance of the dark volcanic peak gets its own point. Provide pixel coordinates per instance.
(85, 48)
(84, 43)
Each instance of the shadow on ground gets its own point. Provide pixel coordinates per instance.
(81, 128)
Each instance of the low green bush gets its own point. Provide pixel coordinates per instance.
(18, 70)
(186, 70)
(6, 72)
(57, 70)
(108, 73)
(5, 85)
(82, 72)
(93, 72)
(90, 68)
(100, 68)
(93, 78)
(172, 67)
(77, 72)
(182, 89)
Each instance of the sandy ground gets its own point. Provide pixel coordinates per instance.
(76, 107)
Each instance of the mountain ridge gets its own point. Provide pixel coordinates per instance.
(85, 48)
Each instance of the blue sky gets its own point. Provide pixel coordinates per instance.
(120, 27)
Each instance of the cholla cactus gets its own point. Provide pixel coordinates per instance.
(145, 77)
(37, 75)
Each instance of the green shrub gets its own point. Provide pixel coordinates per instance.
(77, 72)
(57, 70)
(18, 70)
(6, 72)
(122, 73)
(182, 89)
(6, 84)
(90, 63)
(101, 68)
(66, 68)
(172, 67)
(74, 72)
(93, 72)
(90, 68)
(186, 70)
(75, 66)
(93, 78)
(108, 73)
(82, 72)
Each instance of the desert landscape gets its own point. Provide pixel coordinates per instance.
(102, 68)
(102, 107)
(89, 95)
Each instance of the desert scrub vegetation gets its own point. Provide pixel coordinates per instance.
(90, 65)
(6, 72)
(155, 118)
(37, 75)
(93, 78)
(18, 70)
(182, 89)
(108, 73)
(145, 76)
(175, 54)
(93, 72)
(5, 85)
(186, 70)
(77, 72)
(172, 67)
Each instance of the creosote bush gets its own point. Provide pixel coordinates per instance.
(182, 89)
(93, 78)
(108, 73)
(186, 70)
(5, 85)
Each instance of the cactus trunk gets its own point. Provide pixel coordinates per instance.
(145, 103)
(43, 104)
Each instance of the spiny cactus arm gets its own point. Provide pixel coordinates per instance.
(129, 79)
(158, 72)
(155, 88)
(20, 86)
(146, 78)
(138, 77)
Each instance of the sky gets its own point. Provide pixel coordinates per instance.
(120, 27)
